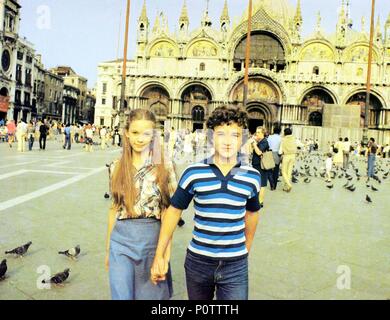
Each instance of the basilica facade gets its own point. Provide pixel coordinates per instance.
(182, 76)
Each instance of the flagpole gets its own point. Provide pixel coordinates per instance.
(123, 87)
(247, 54)
(369, 68)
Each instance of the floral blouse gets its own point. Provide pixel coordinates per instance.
(148, 201)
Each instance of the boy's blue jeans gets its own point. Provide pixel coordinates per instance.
(228, 280)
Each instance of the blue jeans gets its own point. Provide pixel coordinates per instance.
(206, 277)
(371, 165)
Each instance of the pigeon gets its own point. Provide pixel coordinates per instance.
(20, 251)
(307, 180)
(346, 185)
(368, 199)
(330, 186)
(351, 188)
(181, 222)
(71, 253)
(373, 188)
(58, 278)
(3, 269)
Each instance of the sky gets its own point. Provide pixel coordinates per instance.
(83, 33)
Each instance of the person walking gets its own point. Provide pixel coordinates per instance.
(89, 138)
(68, 137)
(43, 130)
(372, 149)
(103, 137)
(346, 153)
(259, 146)
(142, 184)
(288, 150)
(30, 135)
(274, 142)
(21, 134)
(11, 129)
(339, 153)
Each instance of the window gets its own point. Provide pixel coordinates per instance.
(202, 67)
(18, 96)
(20, 55)
(316, 71)
(103, 101)
(26, 99)
(104, 88)
(29, 59)
(102, 121)
(19, 73)
(28, 77)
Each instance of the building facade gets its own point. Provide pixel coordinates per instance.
(9, 30)
(70, 104)
(53, 98)
(71, 78)
(183, 76)
(38, 100)
(23, 79)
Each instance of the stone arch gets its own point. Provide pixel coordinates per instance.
(163, 47)
(259, 89)
(152, 83)
(260, 115)
(261, 21)
(267, 51)
(358, 52)
(193, 83)
(195, 95)
(315, 50)
(202, 47)
(358, 98)
(156, 99)
(318, 96)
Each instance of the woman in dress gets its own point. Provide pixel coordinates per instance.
(142, 184)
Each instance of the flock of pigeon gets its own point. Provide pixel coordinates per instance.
(57, 279)
(311, 166)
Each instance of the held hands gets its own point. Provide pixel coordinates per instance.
(159, 270)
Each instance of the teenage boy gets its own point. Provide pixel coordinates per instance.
(226, 203)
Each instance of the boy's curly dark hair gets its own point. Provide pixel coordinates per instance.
(227, 115)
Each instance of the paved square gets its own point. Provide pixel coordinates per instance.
(306, 243)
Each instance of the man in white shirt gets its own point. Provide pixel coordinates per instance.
(103, 134)
(21, 133)
(346, 152)
(274, 142)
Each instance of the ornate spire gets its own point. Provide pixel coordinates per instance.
(318, 24)
(156, 26)
(378, 31)
(225, 19)
(144, 16)
(298, 14)
(388, 20)
(184, 14)
(225, 12)
(206, 21)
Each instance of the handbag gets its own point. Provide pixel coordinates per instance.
(267, 161)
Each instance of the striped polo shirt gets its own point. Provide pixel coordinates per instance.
(220, 204)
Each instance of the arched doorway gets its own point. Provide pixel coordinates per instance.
(4, 104)
(266, 52)
(195, 100)
(198, 118)
(157, 100)
(263, 101)
(359, 100)
(259, 116)
(315, 119)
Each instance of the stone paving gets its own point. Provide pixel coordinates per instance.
(306, 243)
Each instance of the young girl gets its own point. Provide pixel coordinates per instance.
(141, 188)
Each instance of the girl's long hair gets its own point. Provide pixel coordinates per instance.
(123, 189)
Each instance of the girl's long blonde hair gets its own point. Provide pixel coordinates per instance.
(123, 188)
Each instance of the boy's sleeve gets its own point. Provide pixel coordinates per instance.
(184, 193)
(253, 204)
